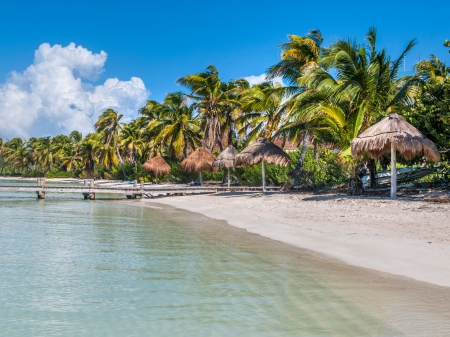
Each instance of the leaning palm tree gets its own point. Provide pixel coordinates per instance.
(109, 125)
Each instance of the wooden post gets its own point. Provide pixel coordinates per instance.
(228, 177)
(201, 179)
(393, 172)
(156, 174)
(142, 185)
(134, 183)
(263, 176)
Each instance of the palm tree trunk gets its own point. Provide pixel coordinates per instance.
(301, 158)
(121, 163)
(316, 150)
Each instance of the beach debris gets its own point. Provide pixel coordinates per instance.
(394, 134)
(441, 199)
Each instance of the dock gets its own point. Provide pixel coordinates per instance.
(132, 192)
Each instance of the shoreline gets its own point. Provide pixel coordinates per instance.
(400, 237)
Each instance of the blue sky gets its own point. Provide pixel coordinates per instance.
(161, 41)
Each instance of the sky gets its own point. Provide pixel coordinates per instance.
(63, 63)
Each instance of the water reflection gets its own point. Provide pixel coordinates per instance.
(71, 267)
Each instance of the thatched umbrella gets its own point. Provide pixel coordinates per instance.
(226, 159)
(156, 165)
(264, 151)
(198, 161)
(395, 134)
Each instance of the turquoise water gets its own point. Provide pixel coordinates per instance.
(70, 267)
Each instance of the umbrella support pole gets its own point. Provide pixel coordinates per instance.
(201, 179)
(263, 176)
(393, 172)
(228, 177)
(156, 180)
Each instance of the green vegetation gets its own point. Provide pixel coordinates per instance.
(333, 93)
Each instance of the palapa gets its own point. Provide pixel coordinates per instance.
(198, 161)
(156, 165)
(393, 134)
(226, 159)
(264, 151)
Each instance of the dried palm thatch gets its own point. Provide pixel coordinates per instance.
(408, 141)
(226, 158)
(156, 165)
(199, 160)
(262, 150)
(394, 134)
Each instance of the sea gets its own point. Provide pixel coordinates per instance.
(74, 267)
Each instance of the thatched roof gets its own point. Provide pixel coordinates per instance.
(226, 158)
(199, 160)
(409, 141)
(262, 149)
(156, 165)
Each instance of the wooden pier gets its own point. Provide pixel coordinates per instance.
(90, 192)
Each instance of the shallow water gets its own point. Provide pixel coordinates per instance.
(70, 267)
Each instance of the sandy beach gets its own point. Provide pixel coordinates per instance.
(401, 237)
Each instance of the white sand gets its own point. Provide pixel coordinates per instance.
(409, 238)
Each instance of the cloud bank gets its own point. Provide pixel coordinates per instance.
(54, 95)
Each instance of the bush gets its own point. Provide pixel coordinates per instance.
(59, 174)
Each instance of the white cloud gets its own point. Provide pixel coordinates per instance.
(54, 95)
(262, 78)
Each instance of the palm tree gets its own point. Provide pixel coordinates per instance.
(2, 153)
(299, 55)
(109, 125)
(232, 108)
(208, 95)
(16, 154)
(178, 129)
(366, 87)
(263, 111)
(130, 139)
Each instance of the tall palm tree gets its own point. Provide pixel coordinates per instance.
(208, 95)
(232, 108)
(109, 125)
(364, 88)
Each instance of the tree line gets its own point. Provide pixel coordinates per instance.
(329, 95)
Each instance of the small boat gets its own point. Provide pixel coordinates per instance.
(403, 175)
